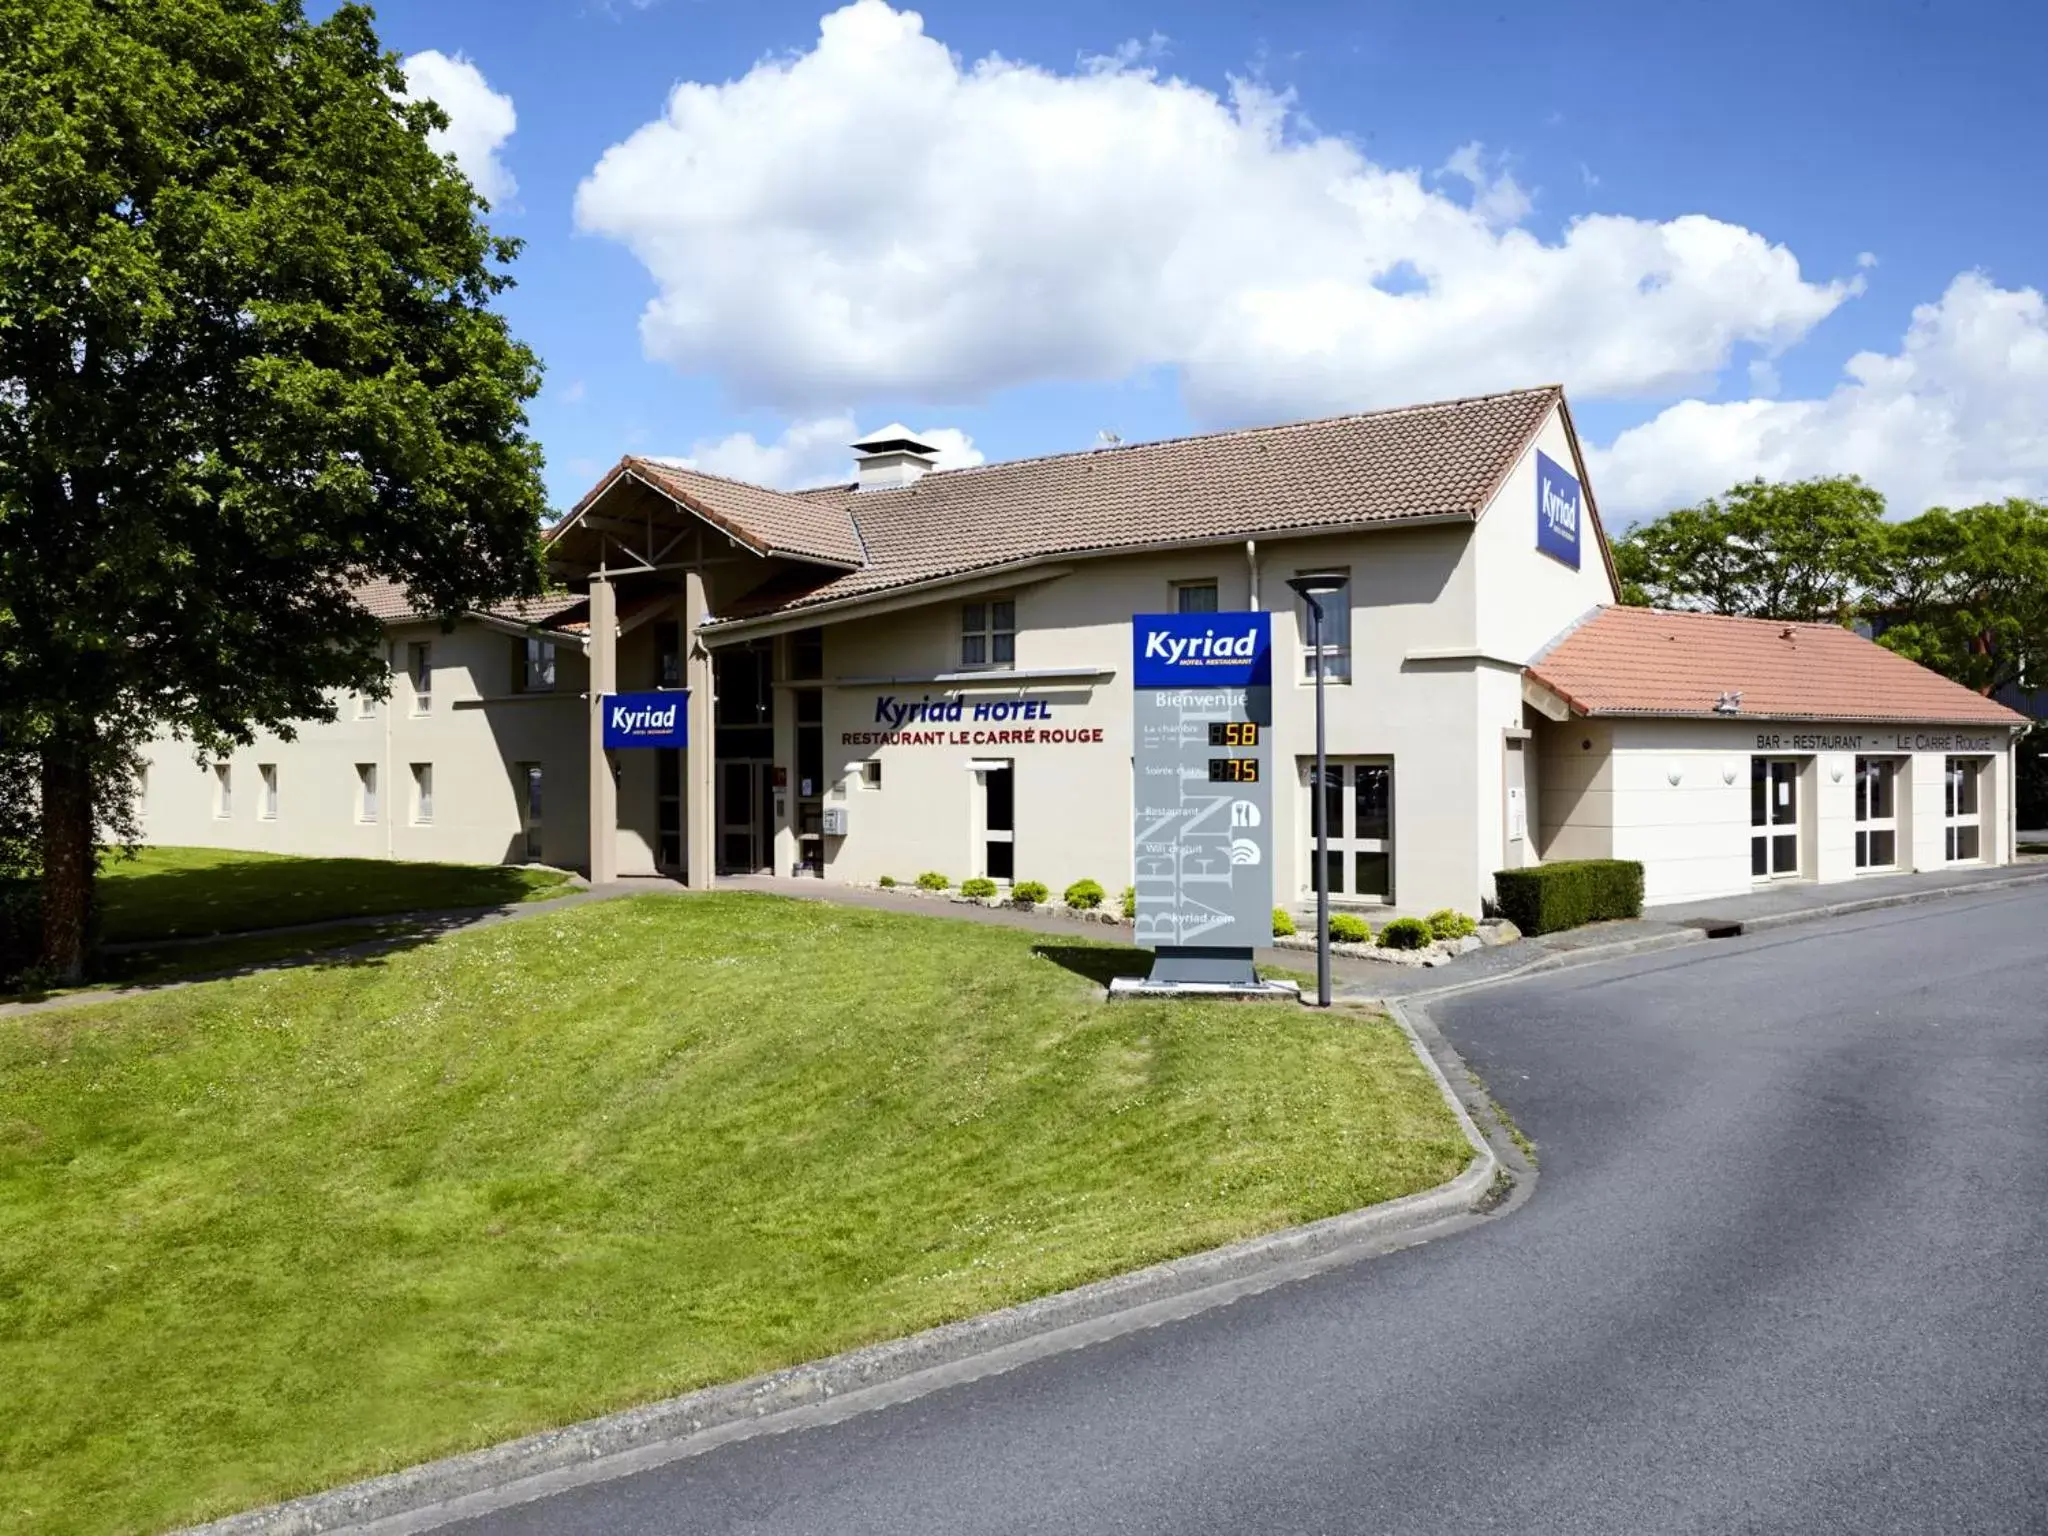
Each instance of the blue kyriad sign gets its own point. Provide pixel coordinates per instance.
(1195, 650)
(647, 719)
(1560, 509)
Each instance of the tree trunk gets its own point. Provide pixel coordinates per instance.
(68, 858)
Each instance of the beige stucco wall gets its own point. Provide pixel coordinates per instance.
(473, 731)
(1693, 836)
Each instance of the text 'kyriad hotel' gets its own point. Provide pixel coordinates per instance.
(929, 670)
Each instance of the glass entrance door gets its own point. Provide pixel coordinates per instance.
(1773, 817)
(999, 819)
(1358, 799)
(743, 799)
(1877, 813)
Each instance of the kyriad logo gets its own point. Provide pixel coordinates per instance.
(646, 720)
(1205, 647)
(1179, 650)
(1559, 500)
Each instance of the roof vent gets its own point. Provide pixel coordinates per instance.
(1729, 703)
(893, 458)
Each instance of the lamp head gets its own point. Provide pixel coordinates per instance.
(1316, 584)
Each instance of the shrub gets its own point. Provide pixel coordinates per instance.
(1130, 900)
(932, 880)
(1551, 897)
(1029, 893)
(1446, 923)
(886, 881)
(1283, 923)
(980, 887)
(1347, 928)
(1404, 933)
(1086, 894)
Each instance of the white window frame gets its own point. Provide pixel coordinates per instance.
(266, 808)
(419, 665)
(982, 630)
(537, 659)
(1333, 660)
(366, 792)
(1345, 843)
(1956, 772)
(366, 707)
(1870, 770)
(422, 794)
(1770, 831)
(1207, 584)
(871, 773)
(223, 792)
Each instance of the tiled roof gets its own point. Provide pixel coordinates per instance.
(1652, 661)
(389, 601)
(767, 522)
(1426, 461)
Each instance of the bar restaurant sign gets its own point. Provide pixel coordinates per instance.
(646, 719)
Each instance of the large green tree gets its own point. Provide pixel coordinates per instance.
(1805, 549)
(247, 359)
(1966, 593)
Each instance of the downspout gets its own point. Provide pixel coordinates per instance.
(1251, 560)
(384, 802)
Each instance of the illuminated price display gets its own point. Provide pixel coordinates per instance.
(1233, 770)
(1233, 733)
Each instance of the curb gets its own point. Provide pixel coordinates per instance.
(535, 1466)
(1700, 930)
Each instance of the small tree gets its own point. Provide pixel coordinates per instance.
(247, 360)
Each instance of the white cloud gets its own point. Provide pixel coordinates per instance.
(1959, 414)
(814, 451)
(875, 218)
(480, 119)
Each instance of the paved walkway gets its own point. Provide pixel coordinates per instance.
(1351, 977)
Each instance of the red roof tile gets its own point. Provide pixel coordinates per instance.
(1653, 661)
(391, 602)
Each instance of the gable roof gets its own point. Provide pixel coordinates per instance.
(769, 523)
(1408, 464)
(1654, 661)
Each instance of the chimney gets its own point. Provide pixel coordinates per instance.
(892, 459)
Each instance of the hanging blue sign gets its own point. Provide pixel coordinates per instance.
(1560, 508)
(646, 719)
(1195, 650)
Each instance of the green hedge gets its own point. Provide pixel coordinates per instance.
(1348, 929)
(980, 887)
(1551, 897)
(1085, 894)
(1405, 933)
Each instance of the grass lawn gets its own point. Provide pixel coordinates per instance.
(264, 1235)
(165, 893)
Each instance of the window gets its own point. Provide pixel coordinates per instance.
(366, 706)
(422, 793)
(366, 791)
(807, 655)
(268, 773)
(1333, 657)
(1194, 597)
(533, 666)
(1877, 813)
(419, 664)
(988, 634)
(1963, 834)
(223, 791)
(526, 782)
(1358, 798)
(871, 773)
(1773, 817)
(668, 654)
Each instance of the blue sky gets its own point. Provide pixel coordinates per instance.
(1692, 215)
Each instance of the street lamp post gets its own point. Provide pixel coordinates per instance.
(1310, 589)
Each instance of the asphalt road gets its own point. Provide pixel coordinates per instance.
(1785, 1269)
